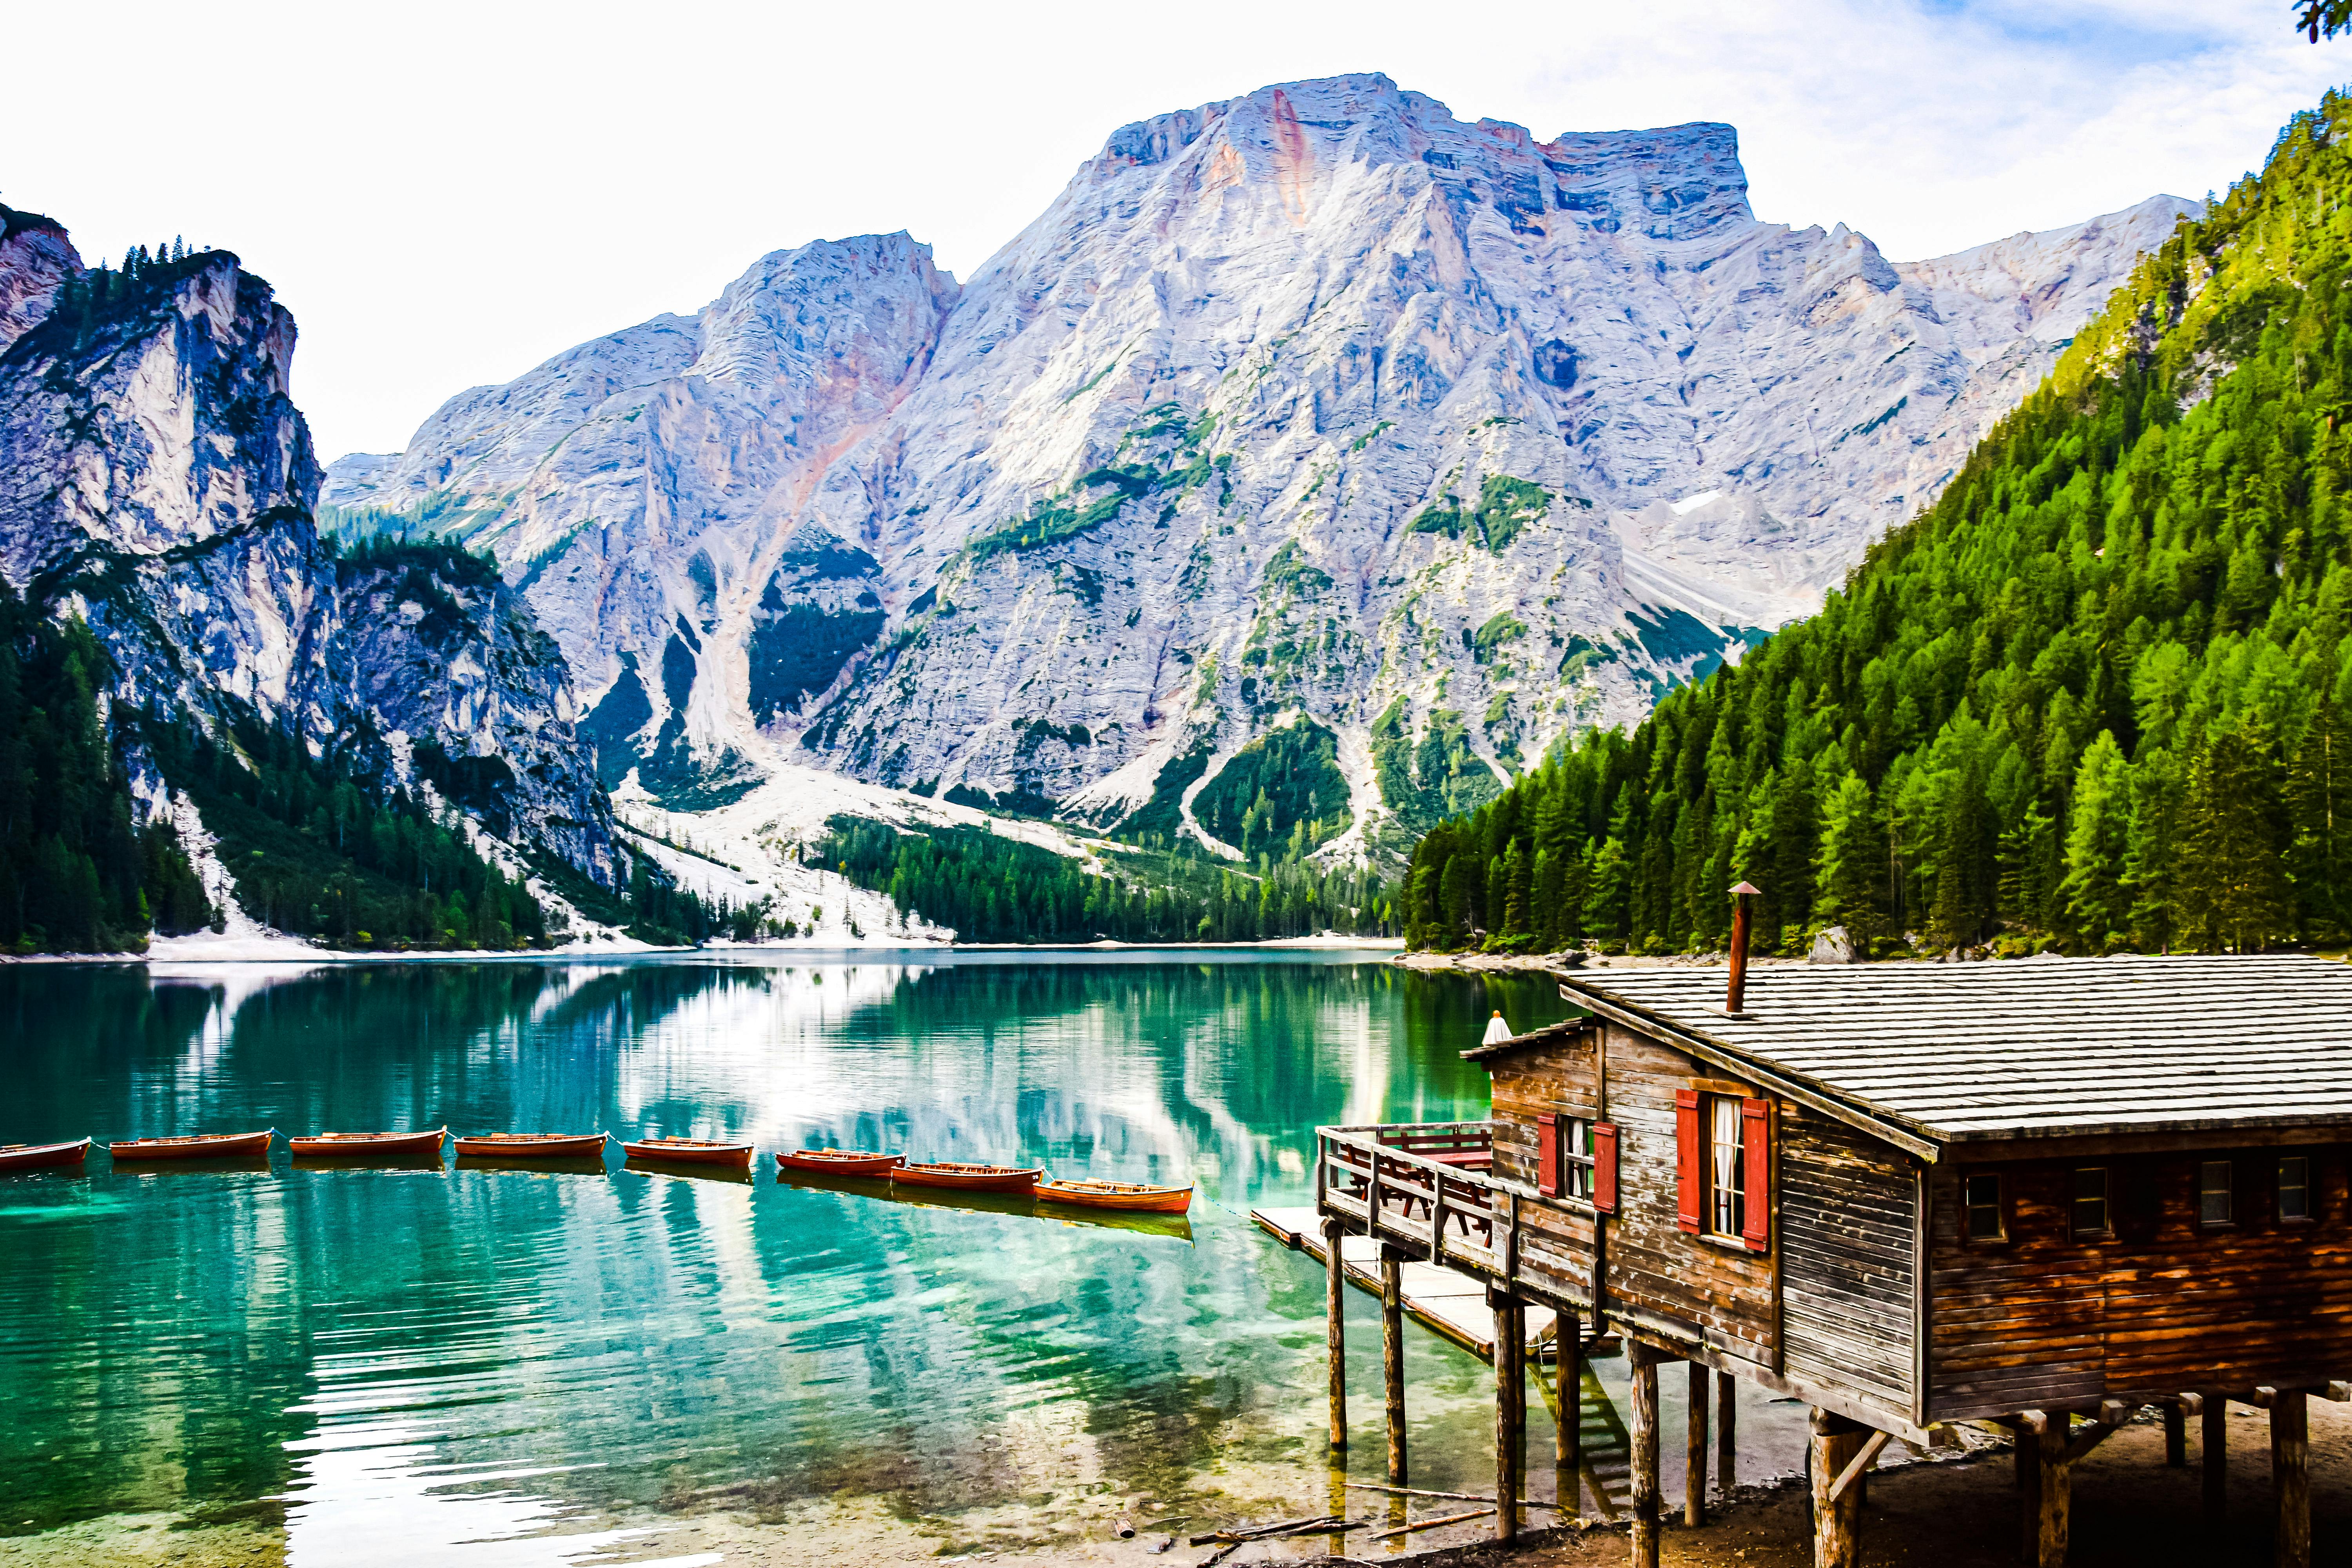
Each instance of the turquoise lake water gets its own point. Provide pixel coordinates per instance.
(407, 1361)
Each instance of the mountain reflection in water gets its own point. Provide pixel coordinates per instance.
(419, 1355)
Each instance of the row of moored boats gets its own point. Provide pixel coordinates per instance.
(897, 1169)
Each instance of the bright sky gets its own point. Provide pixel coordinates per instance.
(447, 192)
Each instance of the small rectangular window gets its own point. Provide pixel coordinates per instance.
(1981, 1199)
(2294, 1187)
(1576, 1158)
(1727, 1170)
(2214, 1205)
(2091, 1201)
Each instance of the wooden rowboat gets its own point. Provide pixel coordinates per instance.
(533, 1146)
(322, 1143)
(41, 1156)
(968, 1178)
(1133, 1196)
(840, 1161)
(691, 1151)
(203, 1146)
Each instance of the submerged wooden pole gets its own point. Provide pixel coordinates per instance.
(1335, 1328)
(2213, 1454)
(2291, 1475)
(1837, 1517)
(1392, 1355)
(1568, 1426)
(1726, 1430)
(1510, 1391)
(1695, 1448)
(1643, 1363)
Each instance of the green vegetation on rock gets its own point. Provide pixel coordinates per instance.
(1506, 507)
(1282, 795)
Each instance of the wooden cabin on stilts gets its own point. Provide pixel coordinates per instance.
(2043, 1194)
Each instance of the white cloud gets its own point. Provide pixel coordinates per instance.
(445, 194)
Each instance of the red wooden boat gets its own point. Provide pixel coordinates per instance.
(968, 1178)
(203, 1146)
(840, 1161)
(41, 1156)
(532, 1145)
(1132, 1197)
(691, 1151)
(370, 1142)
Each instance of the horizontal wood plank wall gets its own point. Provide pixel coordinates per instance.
(2046, 1318)
(1720, 1292)
(1848, 1212)
(1556, 1235)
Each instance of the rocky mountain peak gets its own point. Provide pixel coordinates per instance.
(1316, 411)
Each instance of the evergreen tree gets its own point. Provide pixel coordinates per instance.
(2098, 904)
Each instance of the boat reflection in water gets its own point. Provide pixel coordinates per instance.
(683, 1170)
(1174, 1226)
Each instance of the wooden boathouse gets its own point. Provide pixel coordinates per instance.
(2041, 1195)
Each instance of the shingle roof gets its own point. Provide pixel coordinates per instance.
(2032, 1048)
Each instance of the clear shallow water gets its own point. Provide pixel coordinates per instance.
(439, 1359)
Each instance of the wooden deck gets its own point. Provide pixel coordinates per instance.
(1448, 1300)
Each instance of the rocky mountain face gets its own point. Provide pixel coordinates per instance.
(155, 478)
(1315, 452)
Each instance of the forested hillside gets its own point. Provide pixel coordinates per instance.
(2095, 699)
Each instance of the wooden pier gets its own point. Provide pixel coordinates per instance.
(1451, 1303)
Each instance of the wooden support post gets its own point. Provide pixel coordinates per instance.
(2057, 1495)
(2028, 1495)
(1392, 1355)
(1567, 1430)
(2213, 1454)
(1727, 1432)
(1837, 1519)
(1510, 1399)
(1643, 1363)
(2291, 1476)
(2176, 1435)
(1335, 1328)
(1695, 1448)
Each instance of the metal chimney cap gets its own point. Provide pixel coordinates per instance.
(1746, 887)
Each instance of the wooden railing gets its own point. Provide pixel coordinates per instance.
(1422, 1185)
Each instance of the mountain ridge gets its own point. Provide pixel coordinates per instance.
(1312, 401)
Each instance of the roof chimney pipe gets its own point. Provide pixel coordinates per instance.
(1735, 990)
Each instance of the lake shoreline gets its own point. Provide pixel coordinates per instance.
(289, 950)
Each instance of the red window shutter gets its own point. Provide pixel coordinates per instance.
(1605, 1166)
(1756, 1151)
(1689, 1161)
(1547, 1154)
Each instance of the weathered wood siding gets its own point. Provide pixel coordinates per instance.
(2046, 1319)
(1556, 1235)
(1849, 1218)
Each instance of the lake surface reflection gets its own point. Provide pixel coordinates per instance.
(500, 1365)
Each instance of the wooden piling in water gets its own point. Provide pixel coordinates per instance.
(1568, 1418)
(1335, 1329)
(1510, 1400)
(1695, 1448)
(2054, 1496)
(1392, 1355)
(1644, 1361)
(1727, 1427)
(2028, 1495)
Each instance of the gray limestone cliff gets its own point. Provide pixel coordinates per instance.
(156, 480)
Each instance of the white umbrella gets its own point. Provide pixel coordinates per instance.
(1497, 1031)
